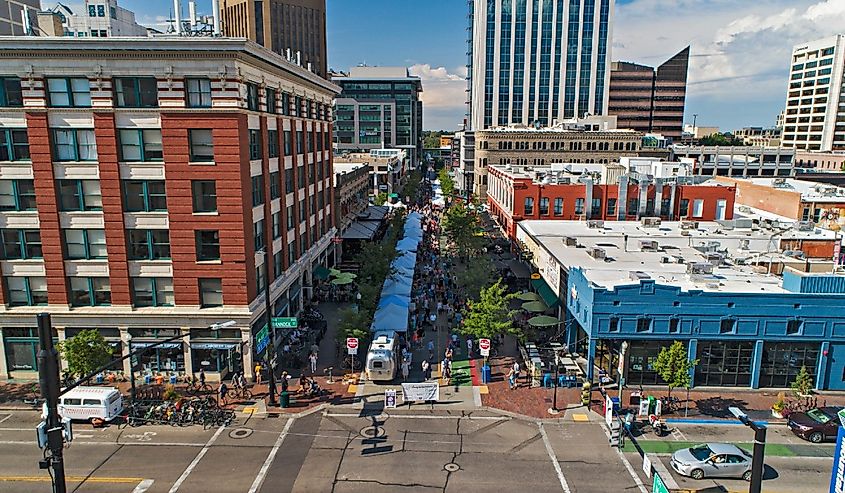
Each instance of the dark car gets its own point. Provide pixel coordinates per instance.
(815, 425)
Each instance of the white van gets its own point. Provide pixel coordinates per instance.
(84, 403)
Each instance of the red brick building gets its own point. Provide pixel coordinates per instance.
(141, 180)
(515, 193)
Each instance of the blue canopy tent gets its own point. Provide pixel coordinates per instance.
(394, 299)
(407, 244)
(400, 288)
(416, 216)
(406, 261)
(390, 317)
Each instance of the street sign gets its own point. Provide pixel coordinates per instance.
(285, 322)
(841, 415)
(647, 466)
(657, 486)
(390, 399)
(484, 346)
(352, 345)
(837, 474)
(262, 340)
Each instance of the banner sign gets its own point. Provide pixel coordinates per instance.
(390, 399)
(837, 475)
(425, 391)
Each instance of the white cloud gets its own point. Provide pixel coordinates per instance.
(443, 95)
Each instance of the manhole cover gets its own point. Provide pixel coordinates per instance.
(240, 433)
(370, 432)
(452, 467)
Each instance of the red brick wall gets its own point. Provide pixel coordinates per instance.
(777, 201)
(234, 204)
(110, 187)
(45, 193)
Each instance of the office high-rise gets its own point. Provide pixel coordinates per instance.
(279, 25)
(814, 120)
(537, 61)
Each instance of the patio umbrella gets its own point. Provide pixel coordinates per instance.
(340, 281)
(529, 296)
(334, 272)
(350, 275)
(535, 306)
(543, 321)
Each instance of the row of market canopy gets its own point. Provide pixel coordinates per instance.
(393, 309)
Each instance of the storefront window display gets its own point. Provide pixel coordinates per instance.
(724, 364)
(783, 360)
(21, 347)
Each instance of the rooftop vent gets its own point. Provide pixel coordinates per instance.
(779, 183)
(715, 258)
(712, 285)
(648, 245)
(650, 222)
(595, 224)
(597, 253)
(638, 275)
(699, 268)
(689, 225)
(570, 241)
(805, 226)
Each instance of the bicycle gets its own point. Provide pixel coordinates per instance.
(196, 388)
(239, 393)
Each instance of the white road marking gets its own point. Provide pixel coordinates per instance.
(627, 464)
(7, 417)
(420, 416)
(143, 486)
(553, 457)
(259, 480)
(196, 460)
(678, 435)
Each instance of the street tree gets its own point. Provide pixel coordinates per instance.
(85, 352)
(803, 383)
(674, 366)
(380, 199)
(447, 184)
(477, 275)
(461, 224)
(489, 316)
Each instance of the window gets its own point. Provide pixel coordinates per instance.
(674, 325)
(208, 245)
(20, 244)
(251, 96)
(211, 292)
(300, 176)
(297, 106)
(614, 324)
(544, 206)
(85, 244)
(204, 194)
(140, 145)
(278, 265)
(257, 190)
(579, 206)
(633, 207)
(92, 11)
(199, 92)
(26, 291)
(289, 180)
(254, 144)
(72, 144)
(14, 145)
(285, 103)
(90, 291)
(17, 195)
(136, 92)
(782, 361)
(643, 324)
(260, 278)
(289, 214)
(277, 225)
(596, 208)
(144, 196)
(272, 143)
(201, 144)
(558, 206)
(258, 234)
(611, 207)
(697, 207)
(727, 326)
(152, 291)
(72, 92)
(147, 244)
(270, 96)
(794, 327)
(287, 137)
(101, 10)
(302, 211)
(10, 92)
(529, 206)
(275, 185)
(79, 195)
(291, 253)
(684, 211)
(299, 141)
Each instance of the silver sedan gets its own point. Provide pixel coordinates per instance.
(711, 460)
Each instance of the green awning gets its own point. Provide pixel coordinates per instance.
(321, 272)
(545, 292)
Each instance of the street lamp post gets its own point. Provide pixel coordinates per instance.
(271, 348)
(759, 449)
(131, 368)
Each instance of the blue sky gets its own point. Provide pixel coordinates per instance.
(737, 76)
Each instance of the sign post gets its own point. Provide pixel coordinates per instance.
(390, 399)
(352, 348)
(658, 486)
(484, 346)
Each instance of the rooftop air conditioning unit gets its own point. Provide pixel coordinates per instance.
(689, 224)
(597, 253)
(743, 223)
(638, 275)
(685, 232)
(744, 208)
(570, 241)
(715, 258)
(648, 245)
(794, 253)
(667, 260)
(650, 222)
(700, 268)
(595, 224)
(805, 225)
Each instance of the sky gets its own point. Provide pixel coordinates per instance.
(738, 71)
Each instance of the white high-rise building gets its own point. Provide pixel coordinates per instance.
(538, 61)
(813, 119)
(99, 19)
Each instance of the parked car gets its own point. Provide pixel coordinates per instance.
(712, 460)
(815, 425)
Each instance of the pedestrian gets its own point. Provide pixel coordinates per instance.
(430, 348)
(285, 381)
(511, 379)
(406, 369)
(469, 347)
(445, 371)
(202, 377)
(303, 382)
(312, 358)
(426, 368)
(223, 390)
(257, 376)
(448, 353)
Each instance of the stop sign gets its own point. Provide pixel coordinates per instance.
(352, 342)
(484, 343)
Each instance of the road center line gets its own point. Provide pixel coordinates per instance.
(196, 460)
(553, 457)
(259, 480)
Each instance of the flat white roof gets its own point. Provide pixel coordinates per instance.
(812, 191)
(625, 257)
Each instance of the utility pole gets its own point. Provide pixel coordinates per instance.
(48, 380)
(757, 459)
(271, 349)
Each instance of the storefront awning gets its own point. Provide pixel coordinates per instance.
(545, 292)
(213, 345)
(166, 345)
(321, 272)
(361, 230)
(518, 268)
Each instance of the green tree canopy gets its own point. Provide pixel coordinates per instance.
(380, 199)
(489, 315)
(85, 352)
(717, 139)
(803, 384)
(447, 185)
(461, 223)
(674, 366)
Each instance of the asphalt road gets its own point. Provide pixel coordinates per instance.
(341, 449)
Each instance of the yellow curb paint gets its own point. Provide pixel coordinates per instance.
(580, 417)
(352, 389)
(482, 389)
(249, 410)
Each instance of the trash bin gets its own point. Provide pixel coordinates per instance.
(284, 399)
(147, 379)
(173, 379)
(99, 378)
(615, 401)
(485, 374)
